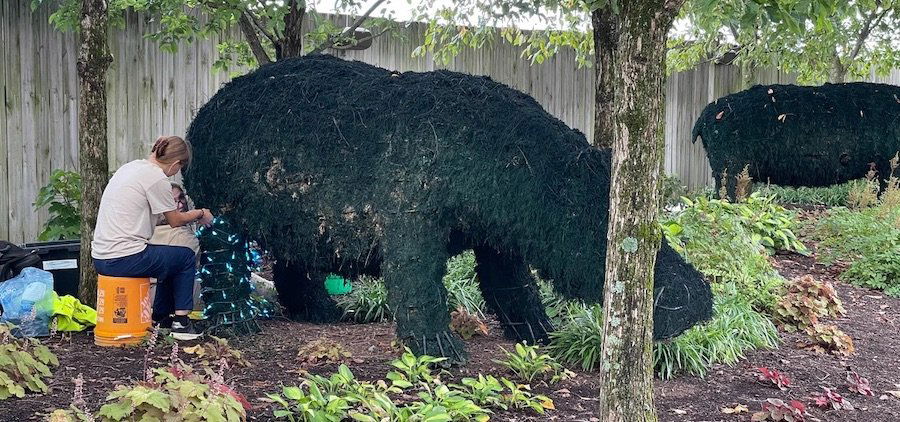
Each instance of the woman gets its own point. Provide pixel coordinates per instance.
(135, 198)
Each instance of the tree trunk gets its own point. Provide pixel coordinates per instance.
(626, 386)
(605, 38)
(838, 71)
(292, 43)
(93, 62)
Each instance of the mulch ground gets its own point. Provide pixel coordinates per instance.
(872, 320)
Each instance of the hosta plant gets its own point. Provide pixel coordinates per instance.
(451, 402)
(528, 364)
(519, 396)
(24, 364)
(413, 370)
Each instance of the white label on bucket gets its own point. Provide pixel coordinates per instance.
(60, 264)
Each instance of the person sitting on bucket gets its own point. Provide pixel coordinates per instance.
(138, 193)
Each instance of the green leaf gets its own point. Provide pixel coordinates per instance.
(115, 411)
(293, 393)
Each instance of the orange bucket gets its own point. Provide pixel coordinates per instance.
(123, 311)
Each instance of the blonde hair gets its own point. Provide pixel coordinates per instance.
(169, 149)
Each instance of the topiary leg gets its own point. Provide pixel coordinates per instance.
(415, 260)
(302, 293)
(511, 293)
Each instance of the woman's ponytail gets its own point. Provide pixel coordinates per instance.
(169, 149)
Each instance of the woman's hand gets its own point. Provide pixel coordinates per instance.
(207, 218)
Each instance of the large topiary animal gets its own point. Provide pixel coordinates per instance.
(339, 166)
(802, 135)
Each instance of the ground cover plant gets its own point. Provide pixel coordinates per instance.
(865, 236)
(25, 364)
(829, 196)
(413, 391)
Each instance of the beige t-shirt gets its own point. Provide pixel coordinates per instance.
(132, 202)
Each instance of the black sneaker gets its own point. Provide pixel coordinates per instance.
(165, 322)
(183, 329)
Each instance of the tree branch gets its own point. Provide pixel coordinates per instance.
(362, 40)
(873, 20)
(260, 26)
(253, 40)
(350, 30)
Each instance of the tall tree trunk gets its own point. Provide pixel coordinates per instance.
(605, 39)
(838, 72)
(292, 43)
(93, 62)
(626, 386)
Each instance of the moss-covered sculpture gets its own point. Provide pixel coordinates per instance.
(802, 135)
(339, 166)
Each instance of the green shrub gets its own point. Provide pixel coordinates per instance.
(768, 224)
(558, 308)
(869, 240)
(879, 271)
(63, 195)
(830, 196)
(721, 246)
(367, 302)
(578, 340)
(462, 284)
(24, 364)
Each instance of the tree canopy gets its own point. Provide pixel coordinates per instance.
(271, 29)
(818, 40)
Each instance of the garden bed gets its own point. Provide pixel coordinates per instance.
(873, 320)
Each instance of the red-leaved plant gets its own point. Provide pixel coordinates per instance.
(858, 384)
(831, 399)
(778, 410)
(777, 378)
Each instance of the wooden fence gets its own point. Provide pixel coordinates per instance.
(152, 92)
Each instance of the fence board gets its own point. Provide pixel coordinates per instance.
(151, 92)
(5, 25)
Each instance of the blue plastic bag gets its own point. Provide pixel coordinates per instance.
(27, 301)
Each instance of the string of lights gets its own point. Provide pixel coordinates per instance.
(225, 268)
